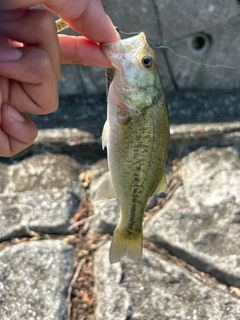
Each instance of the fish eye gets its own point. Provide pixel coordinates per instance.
(147, 61)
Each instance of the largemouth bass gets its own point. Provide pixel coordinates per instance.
(136, 134)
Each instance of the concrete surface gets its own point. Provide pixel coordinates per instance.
(206, 32)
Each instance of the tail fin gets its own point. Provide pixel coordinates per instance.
(122, 246)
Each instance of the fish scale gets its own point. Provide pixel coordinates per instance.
(134, 172)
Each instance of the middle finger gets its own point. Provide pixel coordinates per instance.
(35, 28)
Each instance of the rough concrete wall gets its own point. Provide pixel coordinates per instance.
(204, 31)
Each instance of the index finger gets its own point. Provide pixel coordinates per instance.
(84, 16)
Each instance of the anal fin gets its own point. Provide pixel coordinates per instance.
(106, 190)
(162, 186)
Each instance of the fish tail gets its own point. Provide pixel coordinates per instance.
(124, 246)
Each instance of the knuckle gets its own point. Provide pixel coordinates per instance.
(45, 63)
(45, 21)
(40, 65)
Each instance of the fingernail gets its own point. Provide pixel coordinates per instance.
(10, 54)
(13, 114)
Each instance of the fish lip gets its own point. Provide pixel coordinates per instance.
(113, 52)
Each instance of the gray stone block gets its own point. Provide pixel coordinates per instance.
(44, 171)
(34, 277)
(106, 215)
(3, 175)
(200, 223)
(40, 194)
(40, 211)
(156, 289)
(98, 171)
(113, 301)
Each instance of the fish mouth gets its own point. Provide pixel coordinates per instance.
(113, 52)
(116, 51)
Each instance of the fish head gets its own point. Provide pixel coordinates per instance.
(137, 80)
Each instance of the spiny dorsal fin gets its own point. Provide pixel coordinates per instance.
(105, 134)
(162, 186)
(106, 190)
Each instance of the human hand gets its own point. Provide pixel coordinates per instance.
(88, 18)
(28, 75)
(30, 60)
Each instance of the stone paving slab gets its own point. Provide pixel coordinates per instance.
(42, 172)
(156, 289)
(200, 223)
(40, 211)
(34, 278)
(3, 175)
(40, 194)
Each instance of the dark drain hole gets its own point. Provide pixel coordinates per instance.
(198, 43)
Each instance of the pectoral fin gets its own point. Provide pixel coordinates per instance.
(106, 190)
(162, 186)
(105, 134)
